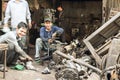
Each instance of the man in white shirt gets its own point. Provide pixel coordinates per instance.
(18, 11)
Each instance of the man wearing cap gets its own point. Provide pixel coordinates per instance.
(47, 35)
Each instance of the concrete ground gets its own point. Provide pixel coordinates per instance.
(28, 74)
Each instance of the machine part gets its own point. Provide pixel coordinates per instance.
(67, 74)
(58, 46)
(74, 54)
(63, 48)
(74, 44)
(59, 67)
(111, 68)
(79, 62)
(112, 72)
(56, 58)
(93, 76)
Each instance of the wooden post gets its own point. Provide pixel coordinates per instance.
(2, 9)
(5, 54)
(4, 47)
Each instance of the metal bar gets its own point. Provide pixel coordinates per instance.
(48, 49)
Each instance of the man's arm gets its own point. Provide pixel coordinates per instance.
(58, 31)
(42, 34)
(19, 50)
(8, 37)
(28, 15)
(7, 15)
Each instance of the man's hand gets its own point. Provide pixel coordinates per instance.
(30, 25)
(50, 40)
(54, 35)
(29, 58)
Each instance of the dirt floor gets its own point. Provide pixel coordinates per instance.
(28, 74)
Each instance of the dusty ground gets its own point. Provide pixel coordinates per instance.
(28, 74)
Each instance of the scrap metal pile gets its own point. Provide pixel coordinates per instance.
(98, 60)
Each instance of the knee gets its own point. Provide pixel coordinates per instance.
(38, 40)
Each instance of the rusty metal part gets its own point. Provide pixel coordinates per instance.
(72, 45)
(67, 74)
(79, 62)
(111, 68)
(93, 76)
(56, 58)
(59, 46)
(112, 72)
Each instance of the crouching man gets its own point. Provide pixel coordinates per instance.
(48, 34)
(15, 52)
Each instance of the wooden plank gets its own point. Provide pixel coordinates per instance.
(2, 9)
(103, 26)
(113, 53)
(93, 52)
(104, 48)
(107, 43)
(96, 42)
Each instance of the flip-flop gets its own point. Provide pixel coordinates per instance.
(18, 67)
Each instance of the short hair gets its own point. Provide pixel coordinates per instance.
(22, 25)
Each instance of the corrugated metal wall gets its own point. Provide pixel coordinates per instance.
(85, 15)
(110, 8)
(82, 15)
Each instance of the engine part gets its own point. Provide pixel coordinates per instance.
(67, 74)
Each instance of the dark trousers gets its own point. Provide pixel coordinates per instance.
(12, 56)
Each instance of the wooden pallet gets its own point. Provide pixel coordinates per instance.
(99, 41)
